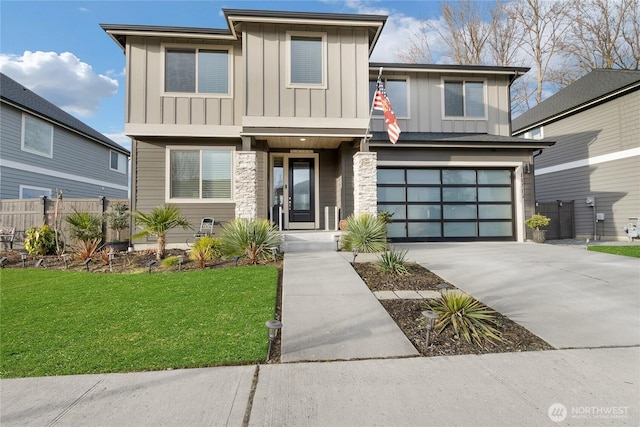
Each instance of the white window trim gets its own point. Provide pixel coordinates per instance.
(32, 187)
(528, 134)
(464, 105)
(195, 48)
(120, 156)
(167, 187)
(322, 85)
(28, 150)
(407, 79)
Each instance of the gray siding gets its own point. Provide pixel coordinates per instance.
(328, 169)
(344, 179)
(84, 159)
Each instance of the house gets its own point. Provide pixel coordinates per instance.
(45, 149)
(270, 118)
(595, 162)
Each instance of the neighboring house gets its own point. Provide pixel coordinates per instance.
(43, 149)
(271, 114)
(596, 159)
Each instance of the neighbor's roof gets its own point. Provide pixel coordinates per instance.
(485, 69)
(20, 97)
(458, 140)
(595, 87)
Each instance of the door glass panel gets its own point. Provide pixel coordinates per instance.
(495, 229)
(459, 211)
(424, 211)
(391, 194)
(494, 177)
(301, 186)
(494, 211)
(424, 229)
(423, 176)
(396, 230)
(494, 194)
(390, 176)
(398, 211)
(423, 194)
(459, 194)
(458, 176)
(460, 229)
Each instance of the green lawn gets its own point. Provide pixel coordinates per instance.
(633, 251)
(60, 323)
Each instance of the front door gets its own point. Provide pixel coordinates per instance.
(301, 192)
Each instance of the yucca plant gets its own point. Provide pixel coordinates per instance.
(86, 249)
(158, 222)
(365, 231)
(468, 317)
(251, 238)
(393, 261)
(85, 225)
(205, 249)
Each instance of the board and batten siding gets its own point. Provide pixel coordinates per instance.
(147, 103)
(426, 104)
(346, 94)
(78, 165)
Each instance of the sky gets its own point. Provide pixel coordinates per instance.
(58, 50)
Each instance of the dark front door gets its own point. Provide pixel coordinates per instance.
(301, 190)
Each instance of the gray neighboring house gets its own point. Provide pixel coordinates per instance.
(596, 159)
(43, 148)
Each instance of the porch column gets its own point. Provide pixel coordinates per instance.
(245, 189)
(365, 178)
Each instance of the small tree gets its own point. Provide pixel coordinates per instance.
(158, 222)
(118, 218)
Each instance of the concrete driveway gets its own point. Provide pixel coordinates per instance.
(570, 297)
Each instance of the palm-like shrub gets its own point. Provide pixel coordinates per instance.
(85, 225)
(87, 249)
(393, 262)
(365, 231)
(251, 238)
(205, 249)
(40, 241)
(158, 222)
(468, 317)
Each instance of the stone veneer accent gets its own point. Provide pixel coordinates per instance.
(245, 184)
(365, 179)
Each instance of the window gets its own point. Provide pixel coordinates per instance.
(307, 59)
(200, 174)
(37, 136)
(197, 71)
(464, 99)
(29, 192)
(118, 162)
(535, 133)
(397, 92)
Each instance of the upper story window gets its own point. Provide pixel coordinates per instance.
(117, 162)
(206, 71)
(464, 98)
(31, 192)
(398, 94)
(37, 136)
(307, 59)
(535, 133)
(200, 174)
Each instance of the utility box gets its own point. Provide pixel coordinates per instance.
(600, 217)
(591, 201)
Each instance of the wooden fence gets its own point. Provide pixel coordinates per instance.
(25, 213)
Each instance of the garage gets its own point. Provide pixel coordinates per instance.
(447, 204)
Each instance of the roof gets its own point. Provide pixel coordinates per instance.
(458, 140)
(487, 69)
(19, 96)
(594, 87)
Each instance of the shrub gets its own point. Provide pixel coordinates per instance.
(251, 238)
(536, 221)
(205, 249)
(393, 262)
(366, 232)
(40, 241)
(171, 261)
(468, 318)
(158, 222)
(87, 249)
(118, 218)
(85, 225)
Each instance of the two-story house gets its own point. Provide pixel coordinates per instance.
(270, 118)
(595, 122)
(43, 149)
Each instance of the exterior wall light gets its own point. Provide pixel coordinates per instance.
(430, 320)
(273, 326)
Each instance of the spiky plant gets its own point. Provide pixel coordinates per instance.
(158, 222)
(365, 231)
(205, 249)
(85, 225)
(393, 261)
(468, 317)
(86, 249)
(171, 261)
(251, 238)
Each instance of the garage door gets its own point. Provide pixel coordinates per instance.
(441, 204)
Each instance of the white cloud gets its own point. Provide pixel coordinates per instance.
(120, 138)
(61, 79)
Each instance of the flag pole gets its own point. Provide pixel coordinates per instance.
(366, 133)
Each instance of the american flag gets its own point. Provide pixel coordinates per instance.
(382, 103)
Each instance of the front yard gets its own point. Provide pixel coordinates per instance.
(63, 322)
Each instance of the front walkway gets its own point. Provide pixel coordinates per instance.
(328, 313)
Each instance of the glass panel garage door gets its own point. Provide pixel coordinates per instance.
(447, 204)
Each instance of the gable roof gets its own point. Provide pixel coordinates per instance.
(22, 98)
(594, 87)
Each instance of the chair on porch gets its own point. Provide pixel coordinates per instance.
(206, 227)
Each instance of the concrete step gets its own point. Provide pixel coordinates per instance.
(309, 241)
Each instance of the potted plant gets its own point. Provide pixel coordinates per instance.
(118, 220)
(535, 222)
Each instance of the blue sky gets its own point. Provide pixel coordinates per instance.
(58, 50)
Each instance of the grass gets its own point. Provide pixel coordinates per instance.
(61, 323)
(633, 251)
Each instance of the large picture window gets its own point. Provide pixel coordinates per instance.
(398, 94)
(200, 174)
(37, 136)
(464, 98)
(307, 59)
(197, 71)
